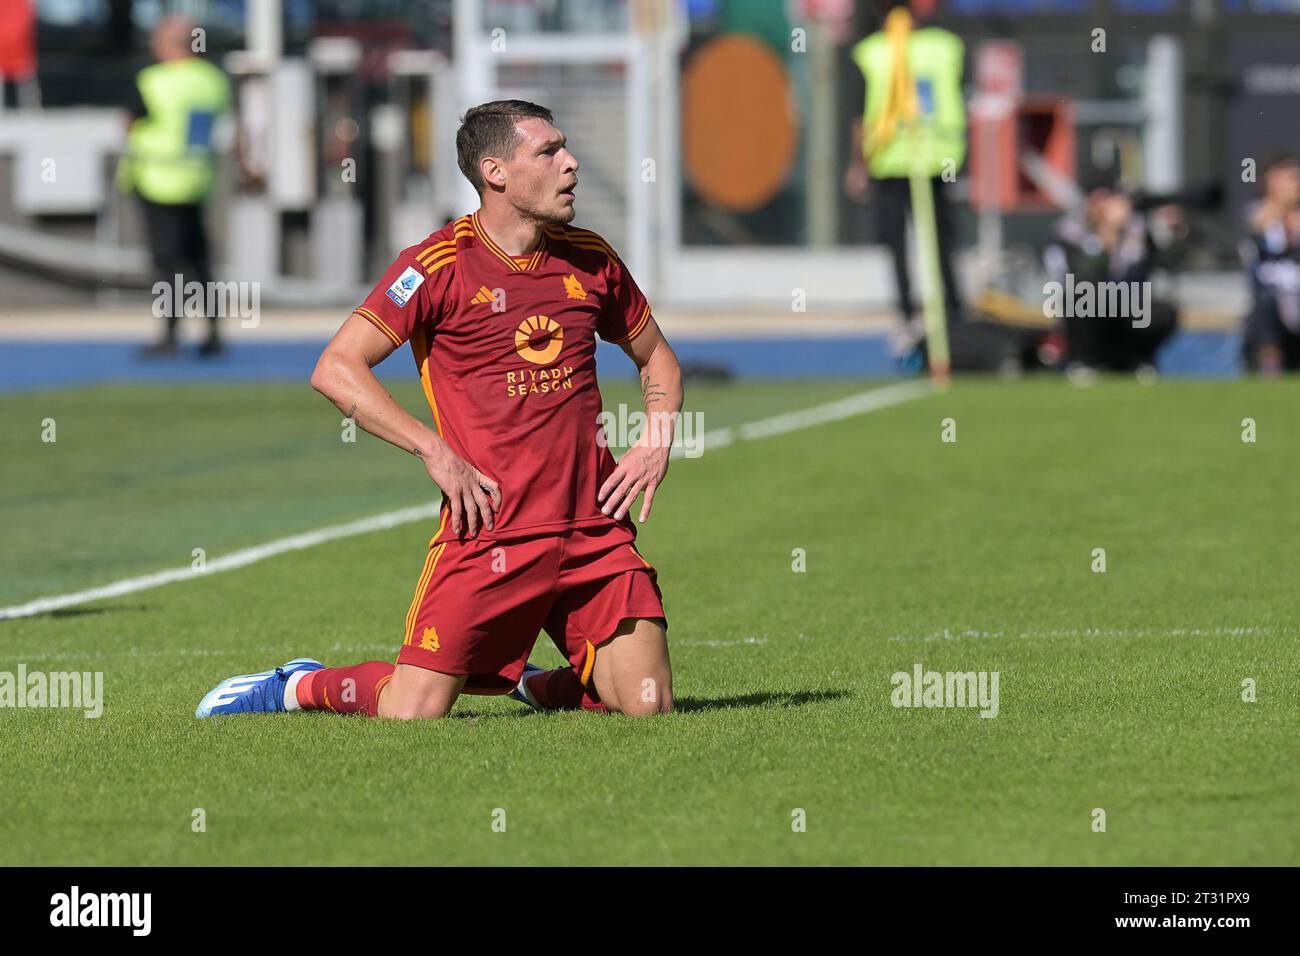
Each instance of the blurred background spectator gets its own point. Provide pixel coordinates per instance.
(1110, 244)
(170, 165)
(1272, 333)
(914, 120)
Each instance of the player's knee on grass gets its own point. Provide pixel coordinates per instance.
(418, 694)
(632, 672)
(659, 699)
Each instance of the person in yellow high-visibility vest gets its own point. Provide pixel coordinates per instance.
(913, 121)
(171, 166)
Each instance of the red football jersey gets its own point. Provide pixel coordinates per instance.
(506, 350)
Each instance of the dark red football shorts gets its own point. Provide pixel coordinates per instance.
(480, 604)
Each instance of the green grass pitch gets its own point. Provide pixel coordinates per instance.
(1119, 690)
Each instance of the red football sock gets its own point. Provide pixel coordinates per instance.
(562, 689)
(345, 690)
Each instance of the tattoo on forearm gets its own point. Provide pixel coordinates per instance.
(352, 413)
(651, 391)
(417, 453)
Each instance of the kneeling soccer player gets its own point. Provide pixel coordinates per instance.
(502, 309)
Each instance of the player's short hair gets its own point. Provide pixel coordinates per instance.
(489, 130)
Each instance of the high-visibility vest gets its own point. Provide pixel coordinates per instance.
(937, 131)
(169, 152)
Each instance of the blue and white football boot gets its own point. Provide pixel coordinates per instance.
(520, 693)
(254, 693)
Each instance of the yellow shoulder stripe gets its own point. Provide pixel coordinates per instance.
(435, 263)
(636, 329)
(378, 323)
(586, 235)
(426, 254)
(574, 234)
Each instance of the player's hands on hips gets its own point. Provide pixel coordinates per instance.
(472, 496)
(642, 468)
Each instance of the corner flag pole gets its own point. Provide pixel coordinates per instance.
(932, 292)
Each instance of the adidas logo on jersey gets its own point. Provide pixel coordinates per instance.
(483, 296)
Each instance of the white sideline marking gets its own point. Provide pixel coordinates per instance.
(1098, 632)
(859, 404)
(743, 642)
(229, 562)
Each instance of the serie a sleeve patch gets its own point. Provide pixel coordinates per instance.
(404, 286)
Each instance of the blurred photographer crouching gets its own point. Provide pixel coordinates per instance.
(1271, 337)
(1103, 258)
